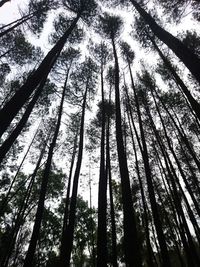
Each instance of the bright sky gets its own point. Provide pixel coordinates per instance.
(9, 11)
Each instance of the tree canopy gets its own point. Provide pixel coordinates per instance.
(99, 133)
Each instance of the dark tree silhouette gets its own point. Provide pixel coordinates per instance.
(111, 26)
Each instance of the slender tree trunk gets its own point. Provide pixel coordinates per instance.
(150, 261)
(185, 139)
(12, 107)
(193, 174)
(194, 104)
(21, 212)
(192, 256)
(18, 23)
(150, 256)
(145, 156)
(15, 21)
(102, 195)
(67, 245)
(5, 53)
(176, 198)
(180, 131)
(190, 60)
(112, 210)
(7, 144)
(40, 209)
(173, 237)
(131, 243)
(92, 251)
(4, 203)
(179, 168)
(67, 201)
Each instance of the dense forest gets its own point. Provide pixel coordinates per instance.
(100, 133)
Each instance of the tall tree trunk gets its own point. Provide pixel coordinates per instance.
(191, 168)
(173, 236)
(146, 224)
(67, 201)
(92, 229)
(12, 107)
(145, 156)
(150, 260)
(67, 244)
(176, 198)
(112, 210)
(21, 212)
(40, 209)
(194, 104)
(6, 199)
(131, 242)
(192, 256)
(190, 60)
(180, 169)
(7, 144)
(102, 195)
(179, 129)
